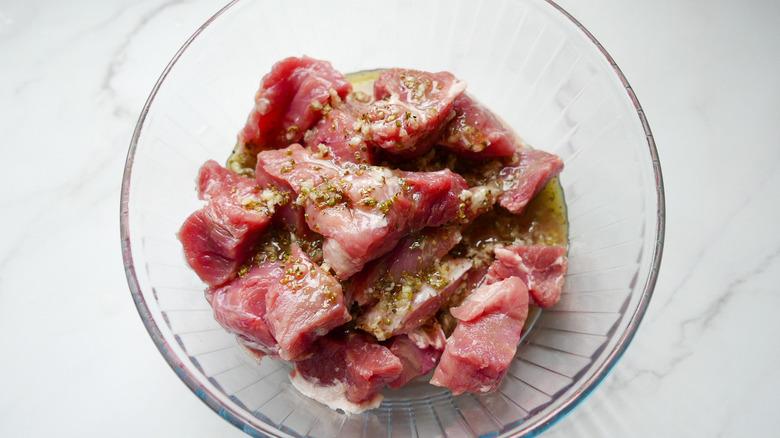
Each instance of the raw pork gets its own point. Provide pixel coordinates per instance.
(414, 300)
(476, 133)
(291, 99)
(480, 350)
(379, 208)
(541, 267)
(240, 307)
(218, 238)
(306, 303)
(412, 255)
(281, 308)
(419, 352)
(346, 371)
(363, 211)
(339, 131)
(523, 180)
(411, 110)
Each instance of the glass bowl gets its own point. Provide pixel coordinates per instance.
(532, 64)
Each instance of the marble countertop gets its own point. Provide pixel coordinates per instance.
(77, 360)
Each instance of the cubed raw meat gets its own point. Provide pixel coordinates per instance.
(304, 304)
(240, 306)
(436, 197)
(291, 99)
(339, 132)
(419, 352)
(347, 370)
(480, 350)
(411, 110)
(523, 180)
(414, 253)
(511, 181)
(475, 132)
(363, 211)
(541, 267)
(218, 238)
(414, 300)
(281, 308)
(341, 205)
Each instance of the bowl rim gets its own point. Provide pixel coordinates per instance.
(604, 369)
(541, 424)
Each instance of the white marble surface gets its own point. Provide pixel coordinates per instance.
(76, 360)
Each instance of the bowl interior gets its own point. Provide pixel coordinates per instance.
(532, 65)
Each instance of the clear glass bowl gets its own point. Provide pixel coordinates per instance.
(530, 62)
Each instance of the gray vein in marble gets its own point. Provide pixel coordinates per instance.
(714, 309)
(21, 87)
(118, 55)
(707, 246)
(52, 207)
(627, 374)
(681, 349)
(101, 25)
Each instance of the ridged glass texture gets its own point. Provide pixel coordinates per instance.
(528, 61)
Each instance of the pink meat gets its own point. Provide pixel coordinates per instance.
(521, 181)
(541, 267)
(295, 167)
(291, 217)
(215, 181)
(281, 308)
(436, 196)
(414, 253)
(290, 100)
(240, 307)
(479, 201)
(480, 350)
(363, 211)
(511, 300)
(419, 352)
(347, 370)
(478, 354)
(304, 304)
(475, 132)
(370, 367)
(218, 238)
(411, 110)
(339, 132)
(413, 301)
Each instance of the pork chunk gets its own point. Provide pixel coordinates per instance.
(413, 300)
(281, 308)
(218, 238)
(475, 132)
(304, 304)
(363, 211)
(339, 132)
(419, 352)
(291, 99)
(521, 181)
(480, 350)
(541, 267)
(415, 253)
(411, 110)
(347, 370)
(240, 307)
